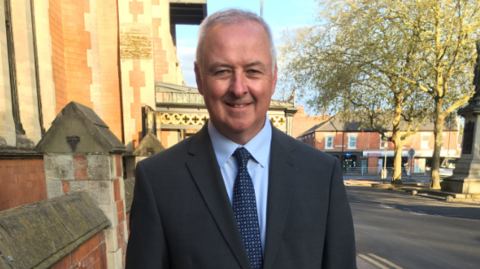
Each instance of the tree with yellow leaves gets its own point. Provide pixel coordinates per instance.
(410, 58)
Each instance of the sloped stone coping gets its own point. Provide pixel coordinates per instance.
(40, 234)
(129, 187)
(149, 145)
(78, 129)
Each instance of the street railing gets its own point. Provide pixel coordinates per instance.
(376, 171)
(365, 171)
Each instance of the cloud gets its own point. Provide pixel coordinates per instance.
(187, 42)
(186, 57)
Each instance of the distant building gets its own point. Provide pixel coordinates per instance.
(302, 122)
(364, 148)
(181, 112)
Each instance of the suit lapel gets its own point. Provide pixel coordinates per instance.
(204, 170)
(281, 175)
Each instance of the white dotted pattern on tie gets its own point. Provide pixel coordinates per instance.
(245, 210)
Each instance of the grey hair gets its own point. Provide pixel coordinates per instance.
(230, 17)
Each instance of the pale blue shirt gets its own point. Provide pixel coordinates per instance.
(259, 148)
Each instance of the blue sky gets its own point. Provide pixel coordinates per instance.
(279, 14)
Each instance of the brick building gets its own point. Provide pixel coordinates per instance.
(357, 147)
(105, 55)
(302, 122)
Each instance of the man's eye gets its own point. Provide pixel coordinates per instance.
(221, 72)
(253, 71)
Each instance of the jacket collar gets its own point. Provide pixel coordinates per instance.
(204, 169)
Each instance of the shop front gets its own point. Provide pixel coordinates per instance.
(348, 159)
(420, 163)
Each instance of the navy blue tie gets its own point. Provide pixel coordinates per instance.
(245, 210)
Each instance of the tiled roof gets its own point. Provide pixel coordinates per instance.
(337, 124)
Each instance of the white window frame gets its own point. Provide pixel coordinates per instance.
(422, 142)
(382, 143)
(326, 141)
(348, 141)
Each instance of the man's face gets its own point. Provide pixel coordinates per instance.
(236, 79)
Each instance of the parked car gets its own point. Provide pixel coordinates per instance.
(447, 166)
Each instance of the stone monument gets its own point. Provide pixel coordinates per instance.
(466, 175)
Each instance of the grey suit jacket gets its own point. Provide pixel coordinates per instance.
(181, 216)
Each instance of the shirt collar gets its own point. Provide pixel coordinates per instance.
(258, 146)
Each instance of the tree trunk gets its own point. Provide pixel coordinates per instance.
(438, 132)
(397, 159)
(397, 141)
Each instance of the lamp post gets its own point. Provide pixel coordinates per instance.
(384, 171)
(261, 8)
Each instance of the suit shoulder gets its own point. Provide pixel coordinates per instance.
(172, 154)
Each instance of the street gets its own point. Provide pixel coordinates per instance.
(396, 230)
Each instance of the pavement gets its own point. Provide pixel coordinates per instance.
(377, 179)
(394, 229)
(372, 261)
(369, 257)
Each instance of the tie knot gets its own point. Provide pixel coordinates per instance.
(242, 156)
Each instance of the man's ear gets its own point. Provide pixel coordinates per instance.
(274, 79)
(198, 78)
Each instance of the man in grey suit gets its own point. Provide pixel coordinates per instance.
(239, 193)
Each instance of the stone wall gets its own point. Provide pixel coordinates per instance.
(68, 228)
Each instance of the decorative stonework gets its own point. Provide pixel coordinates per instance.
(135, 41)
(181, 119)
(278, 121)
(199, 120)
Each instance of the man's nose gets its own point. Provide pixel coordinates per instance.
(238, 84)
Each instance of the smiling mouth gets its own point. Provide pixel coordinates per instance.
(237, 105)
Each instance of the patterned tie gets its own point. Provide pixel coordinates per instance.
(245, 210)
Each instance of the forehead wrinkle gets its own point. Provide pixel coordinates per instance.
(256, 63)
(224, 41)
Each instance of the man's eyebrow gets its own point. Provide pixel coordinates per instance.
(220, 64)
(256, 63)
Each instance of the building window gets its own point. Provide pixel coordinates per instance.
(352, 141)
(383, 143)
(329, 142)
(425, 141)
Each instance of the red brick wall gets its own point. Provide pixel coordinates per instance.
(22, 181)
(301, 122)
(91, 254)
(71, 75)
(109, 65)
(415, 141)
(76, 43)
(371, 141)
(58, 57)
(372, 165)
